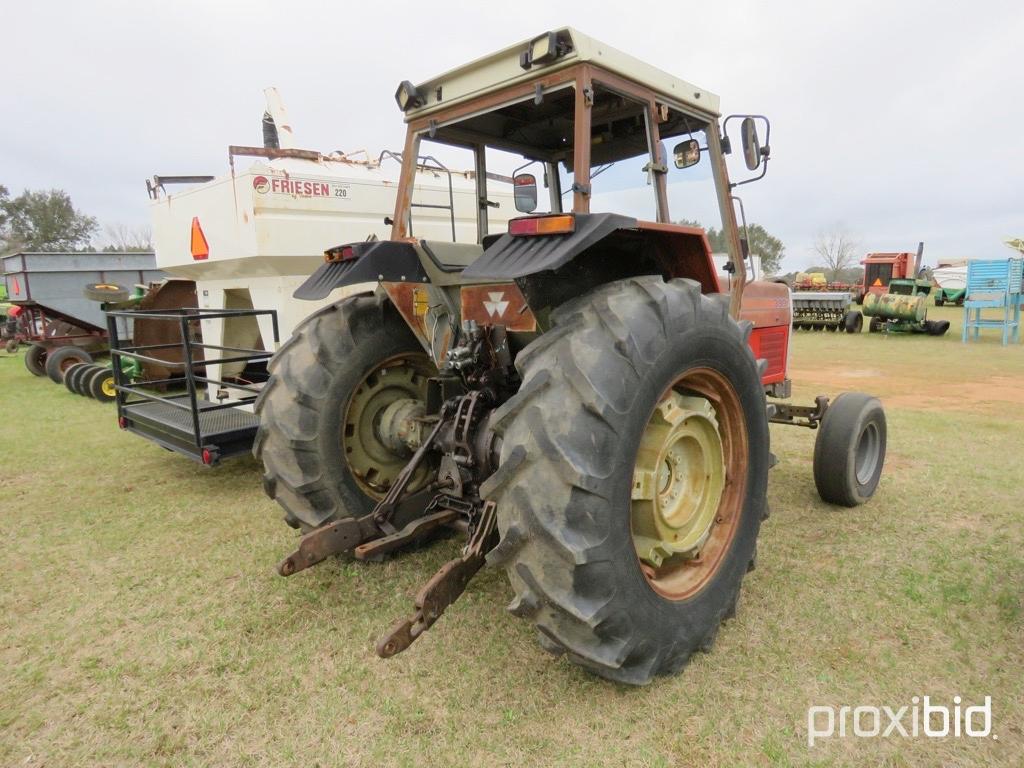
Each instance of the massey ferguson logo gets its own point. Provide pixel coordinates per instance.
(261, 184)
(497, 304)
(496, 307)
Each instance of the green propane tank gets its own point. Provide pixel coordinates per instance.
(895, 306)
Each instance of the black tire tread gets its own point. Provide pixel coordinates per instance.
(35, 359)
(72, 374)
(288, 441)
(571, 606)
(832, 445)
(58, 356)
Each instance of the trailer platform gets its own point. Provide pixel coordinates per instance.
(226, 431)
(189, 423)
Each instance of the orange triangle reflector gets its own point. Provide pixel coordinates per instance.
(200, 248)
(878, 280)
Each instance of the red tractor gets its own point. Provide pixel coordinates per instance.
(577, 392)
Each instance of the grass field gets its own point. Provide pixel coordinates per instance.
(143, 624)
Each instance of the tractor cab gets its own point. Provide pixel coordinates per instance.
(573, 126)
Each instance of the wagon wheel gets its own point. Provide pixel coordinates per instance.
(107, 292)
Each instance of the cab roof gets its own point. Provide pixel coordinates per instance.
(506, 67)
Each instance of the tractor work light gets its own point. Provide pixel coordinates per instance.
(408, 96)
(542, 225)
(542, 50)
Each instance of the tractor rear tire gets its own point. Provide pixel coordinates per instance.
(853, 322)
(329, 360)
(61, 359)
(849, 451)
(35, 359)
(566, 487)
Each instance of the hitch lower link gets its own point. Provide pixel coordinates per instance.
(374, 535)
(359, 534)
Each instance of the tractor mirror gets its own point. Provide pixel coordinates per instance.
(687, 153)
(525, 192)
(751, 143)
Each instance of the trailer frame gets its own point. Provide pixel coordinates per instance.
(188, 423)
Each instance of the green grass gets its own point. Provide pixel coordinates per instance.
(142, 623)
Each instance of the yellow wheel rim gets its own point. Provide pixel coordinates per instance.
(107, 386)
(688, 483)
(678, 479)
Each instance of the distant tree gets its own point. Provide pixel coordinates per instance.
(837, 249)
(121, 237)
(4, 196)
(42, 221)
(760, 242)
(767, 246)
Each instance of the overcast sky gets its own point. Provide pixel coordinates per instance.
(900, 121)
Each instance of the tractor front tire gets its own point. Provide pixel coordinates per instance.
(849, 451)
(320, 460)
(936, 327)
(35, 359)
(60, 360)
(876, 324)
(579, 472)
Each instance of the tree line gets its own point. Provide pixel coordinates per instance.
(47, 220)
(759, 242)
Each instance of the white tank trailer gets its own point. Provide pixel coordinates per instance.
(250, 237)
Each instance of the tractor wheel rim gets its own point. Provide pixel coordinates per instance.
(373, 465)
(687, 490)
(866, 454)
(107, 387)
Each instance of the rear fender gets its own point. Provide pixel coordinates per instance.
(366, 262)
(629, 247)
